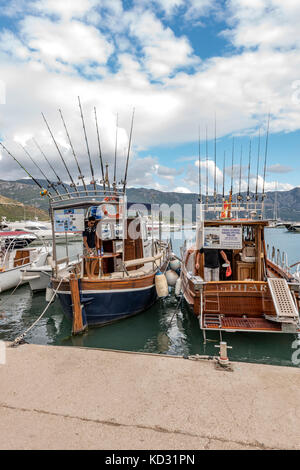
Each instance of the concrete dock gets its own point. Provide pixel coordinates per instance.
(76, 398)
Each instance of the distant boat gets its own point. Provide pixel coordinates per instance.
(15, 254)
(42, 230)
(293, 227)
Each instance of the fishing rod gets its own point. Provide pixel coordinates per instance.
(100, 152)
(73, 185)
(80, 177)
(206, 170)
(258, 158)
(232, 161)
(215, 169)
(200, 189)
(231, 187)
(223, 193)
(116, 148)
(249, 167)
(59, 181)
(93, 182)
(128, 154)
(27, 172)
(265, 165)
(107, 177)
(240, 198)
(50, 185)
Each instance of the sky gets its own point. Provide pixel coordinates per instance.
(194, 71)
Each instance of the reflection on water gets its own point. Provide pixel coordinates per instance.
(165, 328)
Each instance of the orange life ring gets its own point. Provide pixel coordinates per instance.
(105, 211)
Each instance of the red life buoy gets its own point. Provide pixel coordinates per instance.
(105, 211)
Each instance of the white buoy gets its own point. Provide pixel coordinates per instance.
(161, 285)
(171, 277)
(178, 287)
(175, 264)
(49, 294)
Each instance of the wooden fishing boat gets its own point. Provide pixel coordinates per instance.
(261, 295)
(118, 280)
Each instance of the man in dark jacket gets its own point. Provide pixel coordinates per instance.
(211, 263)
(89, 236)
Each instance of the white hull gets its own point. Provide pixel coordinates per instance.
(38, 278)
(11, 278)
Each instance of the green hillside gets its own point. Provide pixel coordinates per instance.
(14, 210)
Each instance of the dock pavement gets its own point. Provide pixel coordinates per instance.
(78, 398)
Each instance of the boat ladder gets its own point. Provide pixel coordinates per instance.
(285, 307)
(211, 302)
(211, 321)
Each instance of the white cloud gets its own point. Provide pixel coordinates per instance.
(42, 64)
(72, 43)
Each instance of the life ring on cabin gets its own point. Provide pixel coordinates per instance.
(105, 211)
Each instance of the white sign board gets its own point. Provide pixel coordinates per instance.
(69, 220)
(224, 237)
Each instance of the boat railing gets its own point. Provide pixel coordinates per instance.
(81, 196)
(236, 209)
(278, 257)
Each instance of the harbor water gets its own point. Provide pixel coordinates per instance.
(166, 328)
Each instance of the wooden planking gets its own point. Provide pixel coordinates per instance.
(78, 326)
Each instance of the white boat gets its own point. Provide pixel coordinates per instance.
(16, 254)
(293, 227)
(42, 230)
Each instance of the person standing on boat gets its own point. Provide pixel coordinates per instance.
(211, 263)
(89, 236)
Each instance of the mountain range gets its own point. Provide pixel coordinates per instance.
(26, 192)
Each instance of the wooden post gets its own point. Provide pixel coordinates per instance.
(78, 324)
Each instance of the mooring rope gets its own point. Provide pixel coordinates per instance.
(20, 338)
(9, 296)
